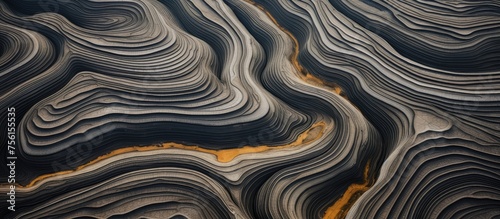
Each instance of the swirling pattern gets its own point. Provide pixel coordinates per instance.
(252, 109)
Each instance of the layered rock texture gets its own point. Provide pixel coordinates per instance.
(252, 109)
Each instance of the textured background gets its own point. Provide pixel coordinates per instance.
(242, 109)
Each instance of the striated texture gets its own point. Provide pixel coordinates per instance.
(252, 109)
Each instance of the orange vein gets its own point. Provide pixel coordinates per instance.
(223, 155)
(341, 207)
(305, 75)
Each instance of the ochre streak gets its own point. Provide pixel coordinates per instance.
(305, 75)
(340, 208)
(224, 155)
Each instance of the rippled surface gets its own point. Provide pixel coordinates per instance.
(252, 109)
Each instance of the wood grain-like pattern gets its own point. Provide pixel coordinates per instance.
(252, 109)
